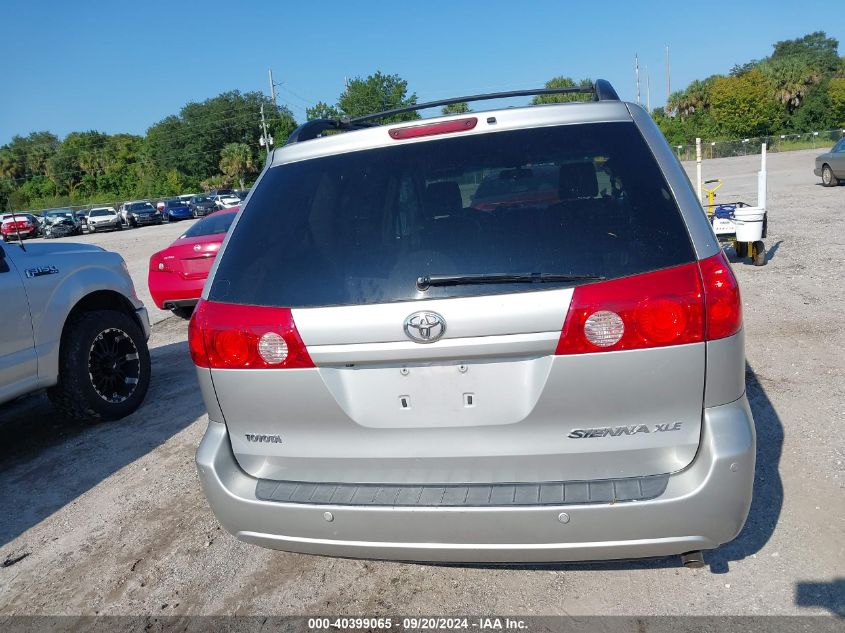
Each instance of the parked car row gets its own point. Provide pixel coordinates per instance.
(62, 222)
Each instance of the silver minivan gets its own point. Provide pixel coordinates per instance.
(500, 336)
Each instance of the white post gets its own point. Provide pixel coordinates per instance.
(698, 169)
(761, 179)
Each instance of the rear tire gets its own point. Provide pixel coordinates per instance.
(741, 249)
(828, 179)
(104, 367)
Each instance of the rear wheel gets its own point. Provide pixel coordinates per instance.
(828, 179)
(741, 249)
(104, 367)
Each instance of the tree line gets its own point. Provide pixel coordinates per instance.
(800, 87)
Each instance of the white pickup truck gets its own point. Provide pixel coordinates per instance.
(71, 323)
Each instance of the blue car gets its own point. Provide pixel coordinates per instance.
(175, 210)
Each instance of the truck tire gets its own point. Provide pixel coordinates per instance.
(104, 367)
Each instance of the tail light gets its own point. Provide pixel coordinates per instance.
(229, 336)
(721, 292)
(159, 264)
(686, 304)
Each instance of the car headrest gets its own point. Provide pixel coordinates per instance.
(577, 180)
(442, 198)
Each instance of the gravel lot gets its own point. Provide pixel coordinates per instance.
(112, 520)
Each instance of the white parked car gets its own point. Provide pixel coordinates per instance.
(100, 218)
(226, 201)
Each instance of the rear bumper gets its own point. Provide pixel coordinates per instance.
(704, 506)
(170, 290)
(24, 234)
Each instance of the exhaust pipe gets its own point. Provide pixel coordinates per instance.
(693, 560)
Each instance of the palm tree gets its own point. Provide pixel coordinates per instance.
(236, 161)
(791, 78)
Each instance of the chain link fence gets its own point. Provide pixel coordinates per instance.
(775, 143)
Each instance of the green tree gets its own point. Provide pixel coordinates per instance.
(816, 111)
(791, 79)
(236, 162)
(322, 111)
(817, 50)
(836, 97)
(281, 125)
(461, 107)
(192, 141)
(563, 82)
(215, 182)
(377, 93)
(743, 105)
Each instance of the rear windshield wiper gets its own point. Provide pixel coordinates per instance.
(424, 283)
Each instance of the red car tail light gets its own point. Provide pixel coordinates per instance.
(721, 292)
(230, 336)
(655, 309)
(157, 263)
(432, 129)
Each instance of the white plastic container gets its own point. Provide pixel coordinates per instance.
(749, 223)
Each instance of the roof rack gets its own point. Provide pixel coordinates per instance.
(600, 89)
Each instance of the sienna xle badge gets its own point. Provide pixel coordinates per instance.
(498, 336)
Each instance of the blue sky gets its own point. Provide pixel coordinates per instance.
(121, 67)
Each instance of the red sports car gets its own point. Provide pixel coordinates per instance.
(177, 274)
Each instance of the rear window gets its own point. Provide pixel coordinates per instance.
(361, 227)
(212, 225)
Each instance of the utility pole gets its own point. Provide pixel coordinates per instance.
(266, 140)
(668, 77)
(637, 73)
(272, 88)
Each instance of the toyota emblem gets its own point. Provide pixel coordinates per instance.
(425, 327)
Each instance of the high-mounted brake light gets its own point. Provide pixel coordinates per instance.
(230, 336)
(432, 129)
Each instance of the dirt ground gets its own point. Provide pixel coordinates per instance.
(110, 519)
